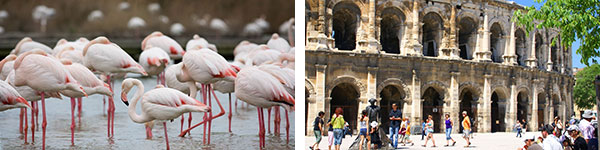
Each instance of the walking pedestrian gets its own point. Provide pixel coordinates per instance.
(449, 125)
(338, 127)
(550, 141)
(363, 131)
(586, 126)
(395, 118)
(318, 127)
(329, 134)
(518, 128)
(466, 123)
(407, 133)
(423, 129)
(579, 142)
(429, 131)
(558, 126)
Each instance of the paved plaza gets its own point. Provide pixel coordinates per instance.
(487, 141)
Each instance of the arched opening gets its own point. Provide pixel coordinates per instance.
(390, 95)
(433, 104)
(498, 112)
(520, 47)
(391, 32)
(541, 109)
(345, 23)
(306, 95)
(539, 52)
(556, 106)
(468, 103)
(346, 96)
(554, 56)
(466, 37)
(496, 42)
(432, 29)
(523, 108)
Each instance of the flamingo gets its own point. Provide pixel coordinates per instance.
(32, 96)
(172, 82)
(226, 86)
(160, 104)
(27, 44)
(199, 41)
(278, 43)
(108, 58)
(205, 66)
(69, 53)
(154, 60)
(10, 98)
(219, 26)
(177, 28)
(43, 73)
(6, 65)
(91, 85)
(259, 88)
(164, 42)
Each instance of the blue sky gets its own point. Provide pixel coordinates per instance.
(576, 44)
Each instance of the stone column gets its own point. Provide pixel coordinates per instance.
(449, 48)
(549, 63)
(373, 45)
(416, 110)
(486, 110)
(532, 61)
(413, 45)
(320, 97)
(509, 54)
(534, 107)
(483, 53)
(454, 109)
(372, 82)
(512, 107)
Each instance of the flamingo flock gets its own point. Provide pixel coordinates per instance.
(261, 75)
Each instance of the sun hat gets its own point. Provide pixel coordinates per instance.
(573, 128)
(528, 136)
(374, 124)
(587, 114)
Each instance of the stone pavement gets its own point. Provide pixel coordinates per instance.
(487, 141)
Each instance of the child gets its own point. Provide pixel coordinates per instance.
(406, 136)
(375, 140)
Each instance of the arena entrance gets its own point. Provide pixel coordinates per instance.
(433, 104)
(498, 112)
(389, 95)
(346, 96)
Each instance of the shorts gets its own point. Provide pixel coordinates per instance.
(330, 137)
(338, 134)
(466, 133)
(318, 136)
(407, 137)
(363, 131)
(429, 131)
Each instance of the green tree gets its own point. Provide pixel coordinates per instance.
(576, 19)
(584, 92)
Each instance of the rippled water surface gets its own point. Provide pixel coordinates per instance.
(92, 134)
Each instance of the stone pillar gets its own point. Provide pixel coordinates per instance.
(509, 54)
(486, 110)
(372, 82)
(483, 53)
(534, 108)
(416, 110)
(512, 107)
(319, 98)
(373, 45)
(413, 45)
(549, 63)
(532, 61)
(454, 106)
(449, 48)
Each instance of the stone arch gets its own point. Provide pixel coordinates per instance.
(434, 95)
(467, 36)
(309, 99)
(523, 101)
(389, 92)
(521, 46)
(345, 93)
(310, 88)
(542, 108)
(468, 98)
(497, 41)
(360, 87)
(345, 24)
(432, 29)
(392, 27)
(540, 53)
(499, 106)
(437, 85)
(554, 50)
(396, 82)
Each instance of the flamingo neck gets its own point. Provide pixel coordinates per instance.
(193, 89)
(132, 114)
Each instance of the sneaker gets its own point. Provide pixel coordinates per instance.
(310, 147)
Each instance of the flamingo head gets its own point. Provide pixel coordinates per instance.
(21, 102)
(73, 85)
(197, 107)
(135, 68)
(104, 90)
(126, 86)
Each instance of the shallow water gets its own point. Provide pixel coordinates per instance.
(92, 133)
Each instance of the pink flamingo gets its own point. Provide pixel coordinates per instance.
(199, 41)
(172, 82)
(164, 42)
(11, 98)
(205, 66)
(154, 60)
(226, 86)
(259, 88)
(27, 44)
(286, 77)
(108, 58)
(43, 73)
(278, 43)
(32, 96)
(91, 85)
(159, 104)
(6, 66)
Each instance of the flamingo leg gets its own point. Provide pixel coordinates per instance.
(182, 121)
(189, 121)
(229, 113)
(205, 114)
(44, 122)
(79, 110)
(25, 129)
(37, 110)
(72, 120)
(261, 124)
(206, 120)
(287, 128)
(103, 104)
(277, 121)
(166, 137)
(32, 122)
(209, 114)
(21, 121)
(148, 131)
(269, 119)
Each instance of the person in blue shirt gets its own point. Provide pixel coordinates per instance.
(395, 119)
(423, 128)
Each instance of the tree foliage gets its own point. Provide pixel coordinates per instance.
(584, 92)
(576, 19)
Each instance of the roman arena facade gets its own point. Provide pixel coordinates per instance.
(434, 57)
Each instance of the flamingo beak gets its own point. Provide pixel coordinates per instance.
(85, 94)
(182, 53)
(124, 98)
(22, 100)
(203, 106)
